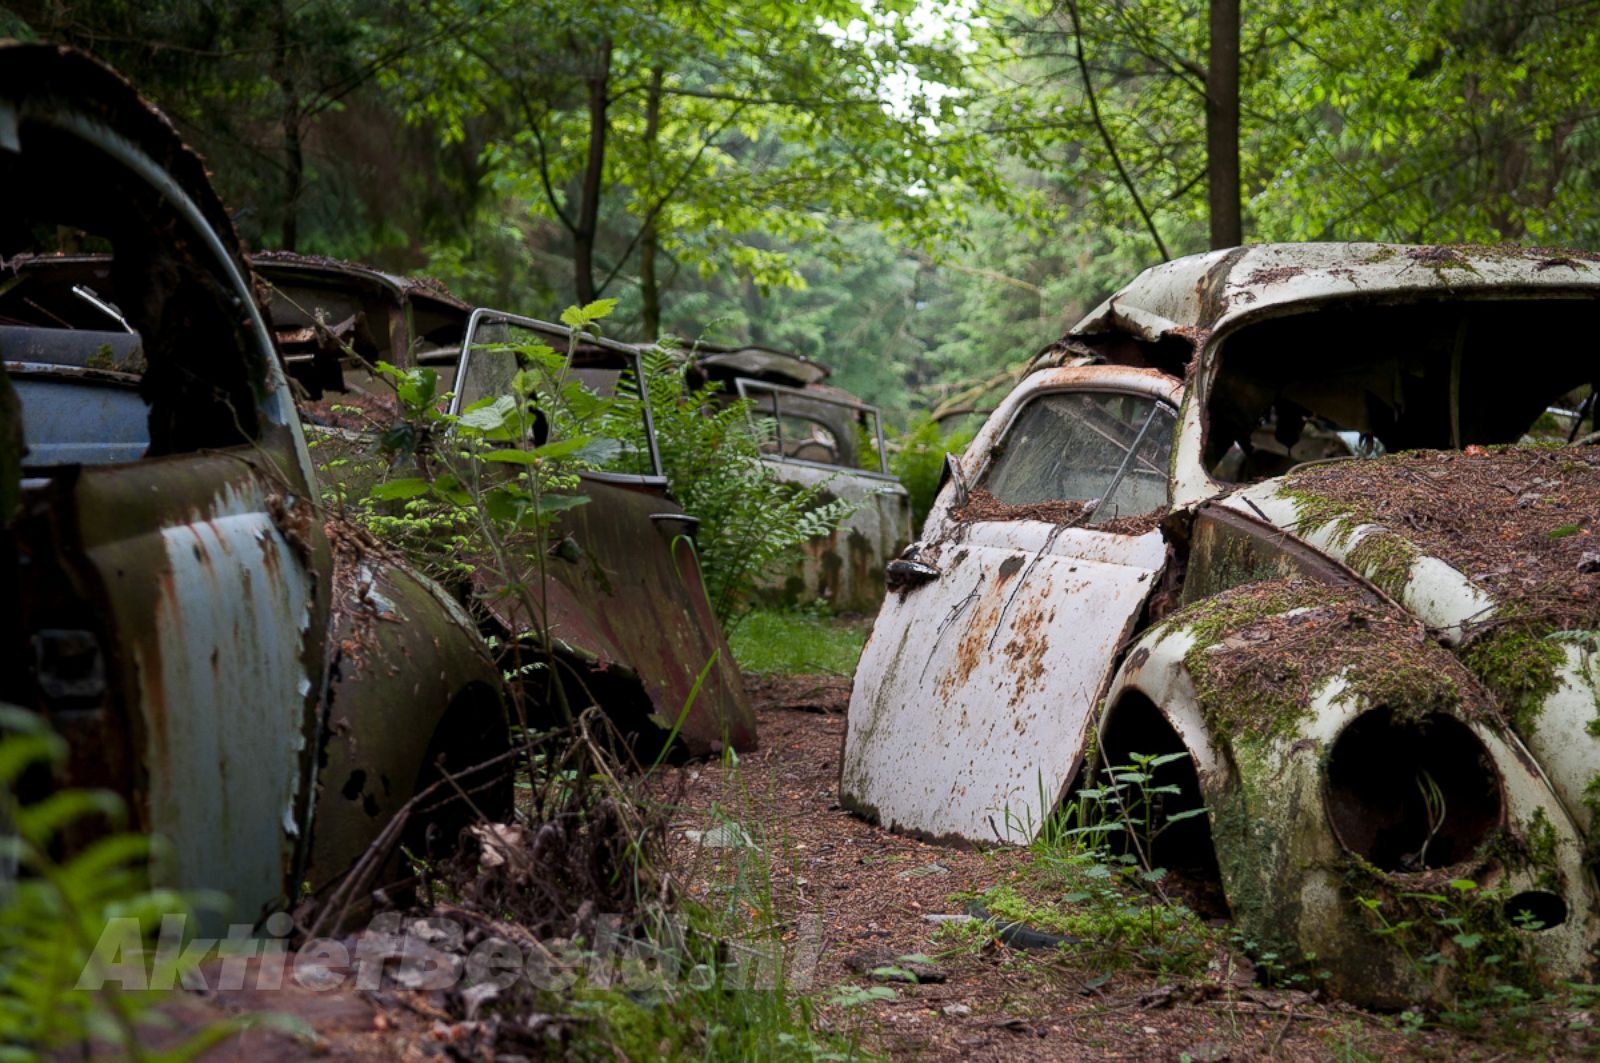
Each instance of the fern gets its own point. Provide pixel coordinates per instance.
(749, 519)
(52, 913)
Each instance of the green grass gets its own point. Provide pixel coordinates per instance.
(797, 642)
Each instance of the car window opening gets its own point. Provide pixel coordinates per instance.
(1361, 381)
(113, 352)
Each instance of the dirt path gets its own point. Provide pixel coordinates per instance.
(854, 892)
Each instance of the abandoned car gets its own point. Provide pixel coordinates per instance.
(631, 626)
(264, 689)
(820, 435)
(1324, 518)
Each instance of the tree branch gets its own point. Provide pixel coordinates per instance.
(1105, 134)
(672, 190)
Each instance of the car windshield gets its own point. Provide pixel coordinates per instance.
(1078, 446)
(813, 426)
(1351, 380)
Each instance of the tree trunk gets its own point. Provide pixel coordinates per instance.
(294, 162)
(649, 287)
(593, 177)
(1222, 125)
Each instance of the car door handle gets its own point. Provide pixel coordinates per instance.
(902, 574)
(689, 524)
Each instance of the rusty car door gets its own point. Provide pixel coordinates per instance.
(975, 691)
(172, 587)
(626, 605)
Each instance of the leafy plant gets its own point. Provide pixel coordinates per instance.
(712, 457)
(1107, 898)
(1465, 932)
(53, 914)
(917, 455)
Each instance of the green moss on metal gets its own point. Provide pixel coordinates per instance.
(1591, 796)
(1542, 842)
(1312, 510)
(1385, 559)
(1518, 665)
(1262, 651)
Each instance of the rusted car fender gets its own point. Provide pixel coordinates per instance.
(389, 721)
(1288, 823)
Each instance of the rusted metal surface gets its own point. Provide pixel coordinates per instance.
(629, 616)
(397, 641)
(975, 690)
(846, 567)
(175, 595)
(1311, 797)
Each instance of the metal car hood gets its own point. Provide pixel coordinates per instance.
(1460, 575)
(630, 607)
(1496, 552)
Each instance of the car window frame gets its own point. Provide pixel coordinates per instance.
(745, 385)
(481, 315)
(997, 442)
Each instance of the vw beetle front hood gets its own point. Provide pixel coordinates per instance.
(1496, 550)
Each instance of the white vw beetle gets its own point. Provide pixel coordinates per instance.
(1278, 507)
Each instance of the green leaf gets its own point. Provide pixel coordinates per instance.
(486, 415)
(510, 456)
(40, 821)
(599, 451)
(578, 317)
(561, 503)
(409, 487)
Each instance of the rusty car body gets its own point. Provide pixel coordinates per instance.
(264, 688)
(820, 436)
(1275, 508)
(625, 606)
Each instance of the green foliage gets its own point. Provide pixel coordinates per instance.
(1520, 669)
(1464, 936)
(711, 453)
(1093, 860)
(53, 914)
(917, 456)
(797, 642)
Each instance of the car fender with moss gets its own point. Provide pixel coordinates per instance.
(1285, 510)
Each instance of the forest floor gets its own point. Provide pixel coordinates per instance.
(856, 911)
(857, 898)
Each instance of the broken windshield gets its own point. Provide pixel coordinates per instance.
(1080, 446)
(1353, 380)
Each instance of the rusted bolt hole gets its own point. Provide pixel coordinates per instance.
(1536, 910)
(1409, 794)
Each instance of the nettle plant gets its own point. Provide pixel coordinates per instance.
(485, 487)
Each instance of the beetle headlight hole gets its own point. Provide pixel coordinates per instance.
(1412, 793)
